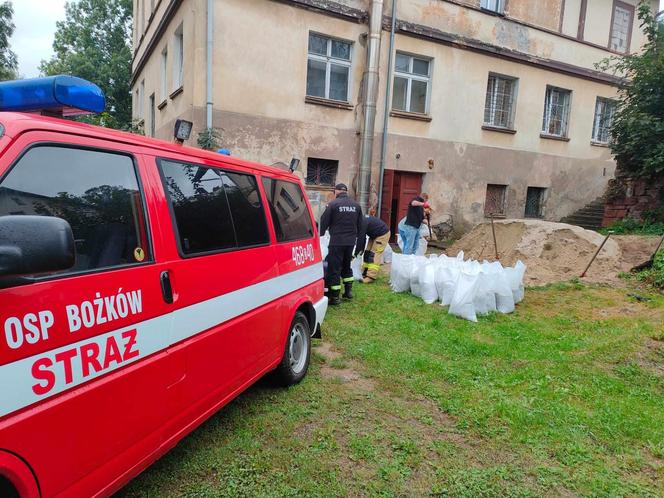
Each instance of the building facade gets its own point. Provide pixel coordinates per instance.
(494, 107)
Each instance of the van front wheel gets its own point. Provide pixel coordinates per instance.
(297, 353)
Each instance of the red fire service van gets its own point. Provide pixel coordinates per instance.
(143, 285)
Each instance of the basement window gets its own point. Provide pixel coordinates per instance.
(322, 172)
(494, 204)
(535, 202)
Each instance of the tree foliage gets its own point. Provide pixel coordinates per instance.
(94, 43)
(8, 60)
(638, 126)
(209, 139)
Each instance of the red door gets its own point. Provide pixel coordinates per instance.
(399, 188)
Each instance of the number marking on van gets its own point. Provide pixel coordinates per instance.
(303, 254)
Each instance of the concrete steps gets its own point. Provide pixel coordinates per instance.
(590, 216)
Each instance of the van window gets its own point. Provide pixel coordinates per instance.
(96, 192)
(289, 210)
(214, 209)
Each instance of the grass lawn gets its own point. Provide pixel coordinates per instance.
(564, 397)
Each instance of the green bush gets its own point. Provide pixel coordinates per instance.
(635, 227)
(654, 276)
(651, 224)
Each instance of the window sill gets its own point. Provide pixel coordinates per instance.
(493, 12)
(176, 92)
(411, 115)
(499, 129)
(554, 137)
(162, 104)
(313, 186)
(337, 104)
(599, 144)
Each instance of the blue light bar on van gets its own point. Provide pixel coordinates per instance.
(62, 95)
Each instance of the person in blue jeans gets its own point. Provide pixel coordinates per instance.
(409, 228)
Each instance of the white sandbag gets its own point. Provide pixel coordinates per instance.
(356, 266)
(485, 298)
(515, 277)
(427, 283)
(387, 254)
(501, 287)
(446, 279)
(400, 272)
(462, 304)
(324, 244)
(415, 288)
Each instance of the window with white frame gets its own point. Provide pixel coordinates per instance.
(178, 58)
(164, 74)
(412, 76)
(328, 68)
(621, 27)
(500, 101)
(604, 112)
(493, 5)
(556, 111)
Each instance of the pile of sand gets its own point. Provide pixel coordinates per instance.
(555, 252)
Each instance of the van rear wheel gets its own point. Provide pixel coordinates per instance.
(297, 352)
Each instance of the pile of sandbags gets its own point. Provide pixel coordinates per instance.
(469, 288)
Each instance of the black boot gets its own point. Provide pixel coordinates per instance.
(334, 299)
(348, 290)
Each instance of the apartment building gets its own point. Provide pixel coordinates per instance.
(494, 107)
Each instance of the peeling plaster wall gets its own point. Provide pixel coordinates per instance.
(545, 13)
(450, 17)
(457, 183)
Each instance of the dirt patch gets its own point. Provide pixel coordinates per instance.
(651, 357)
(636, 249)
(348, 375)
(555, 252)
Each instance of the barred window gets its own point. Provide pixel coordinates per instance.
(556, 111)
(535, 202)
(500, 99)
(322, 172)
(411, 83)
(604, 112)
(328, 68)
(494, 204)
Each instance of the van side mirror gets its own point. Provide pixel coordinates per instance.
(35, 244)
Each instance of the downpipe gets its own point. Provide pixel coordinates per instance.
(208, 56)
(388, 103)
(369, 105)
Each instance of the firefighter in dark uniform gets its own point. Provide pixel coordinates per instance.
(343, 217)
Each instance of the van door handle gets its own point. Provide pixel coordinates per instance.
(166, 289)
